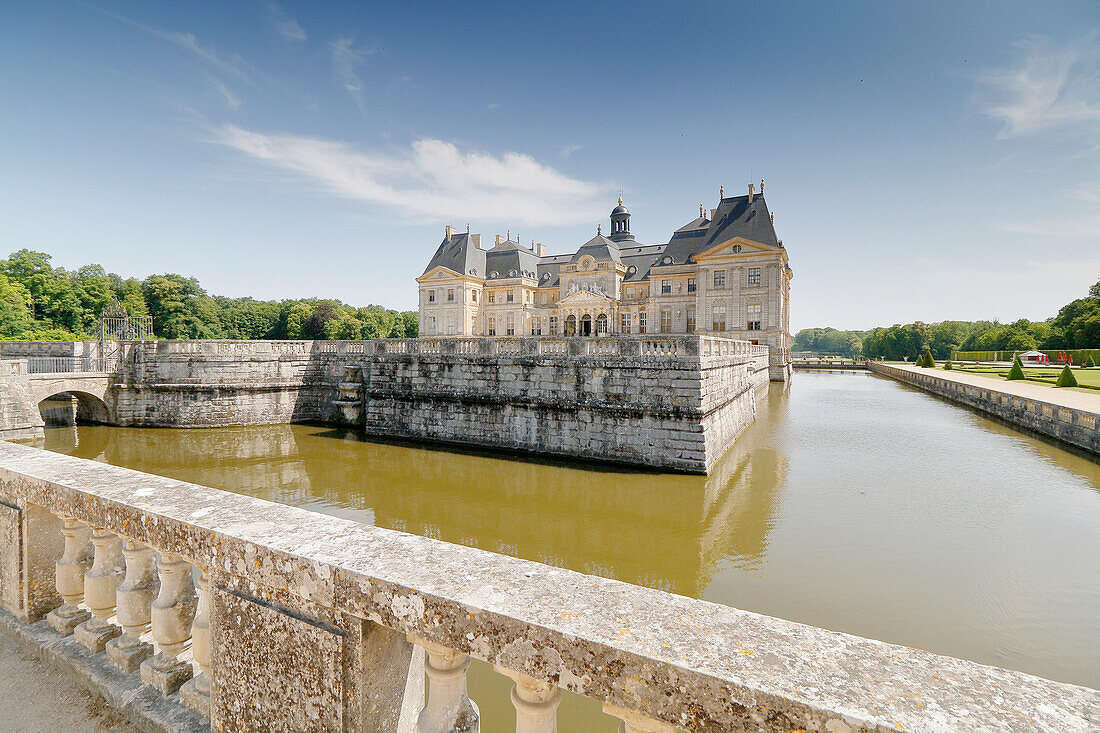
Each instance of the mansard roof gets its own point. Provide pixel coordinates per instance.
(458, 253)
(511, 259)
(599, 248)
(734, 217)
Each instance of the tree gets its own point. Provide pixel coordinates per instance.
(180, 308)
(1017, 370)
(1066, 378)
(314, 325)
(410, 324)
(15, 308)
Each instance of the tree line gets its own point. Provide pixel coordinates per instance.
(41, 302)
(1077, 326)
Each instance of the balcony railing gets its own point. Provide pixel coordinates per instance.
(71, 365)
(308, 622)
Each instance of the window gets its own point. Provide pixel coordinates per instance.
(666, 321)
(718, 318)
(754, 325)
(431, 325)
(473, 293)
(526, 296)
(570, 325)
(666, 287)
(553, 325)
(754, 276)
(450, 295)
(492, 297)
(450, 325)
(625, 323)
(641, 322)
(719, 278)
(431, 296)
(492, 326)
(691, 285)
(691, 320)
(511, 326)
(754, 309)
(601, 324)
(510, 298)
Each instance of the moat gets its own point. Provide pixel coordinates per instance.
(853, 503)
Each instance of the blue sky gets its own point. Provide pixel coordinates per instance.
(924, 160)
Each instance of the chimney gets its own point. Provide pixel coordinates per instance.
(540, 249)
(450, 230)
(750, 193)
(476, 239)
(498, 239)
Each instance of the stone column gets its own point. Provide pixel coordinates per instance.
(195, 694)
(100, 584)
(536, 703)
(449, 709)
(134, 597)
(69, 572)
(635, 722)
(172, 614)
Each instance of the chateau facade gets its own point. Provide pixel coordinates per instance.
(725, 273)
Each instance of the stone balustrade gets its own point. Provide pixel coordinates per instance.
(304, 622)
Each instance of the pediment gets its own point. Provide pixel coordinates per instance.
(583, 296)
(737, 246)
(438, 273)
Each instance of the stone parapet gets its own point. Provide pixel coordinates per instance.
(356, 609)
(1076, 425)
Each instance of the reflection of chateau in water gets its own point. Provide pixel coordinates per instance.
(663, 530)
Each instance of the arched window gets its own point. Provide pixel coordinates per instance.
(601, 324)
(571, 326)
(586, 325)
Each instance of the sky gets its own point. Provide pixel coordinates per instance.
(925, 161)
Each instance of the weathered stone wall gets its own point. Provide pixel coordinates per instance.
(1074, 426)
(669, 401)
(19, 416)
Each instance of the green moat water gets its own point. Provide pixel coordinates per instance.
(853, 503)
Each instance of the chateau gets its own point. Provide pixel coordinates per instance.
(725, 273)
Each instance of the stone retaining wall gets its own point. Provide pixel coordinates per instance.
(1076, 427)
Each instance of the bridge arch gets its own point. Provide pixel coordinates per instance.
(93, 401)
(90, 408)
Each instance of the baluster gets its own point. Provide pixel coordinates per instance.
(449, 709)
(134, 597)
(536, 703)
(100, 584)
(172, 614)
(69, 572)
(196, 693)
(635, 722)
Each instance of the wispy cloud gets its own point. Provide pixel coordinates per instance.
(1082, 223)
(1050, 87)
(286, 26)
(568, 150)
(432, 178)
(346, 60)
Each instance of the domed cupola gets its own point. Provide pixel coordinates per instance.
(620, 224)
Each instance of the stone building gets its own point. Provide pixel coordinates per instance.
(725, 273)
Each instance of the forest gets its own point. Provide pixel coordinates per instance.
(1076, 326)
(41, 302)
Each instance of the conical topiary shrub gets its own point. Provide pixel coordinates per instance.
(1089, 363)
(947, 365)
(1017, 370)
(927, 360)
(1066, 378)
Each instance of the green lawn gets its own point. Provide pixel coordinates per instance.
(1087, 379)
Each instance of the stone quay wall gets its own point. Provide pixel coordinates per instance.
(676, 402)
(665, 401)
(356, 610)
(1074, 426)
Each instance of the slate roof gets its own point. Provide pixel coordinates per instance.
(511, 259)
(734, 217)
(458, 253)
(599, 248)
